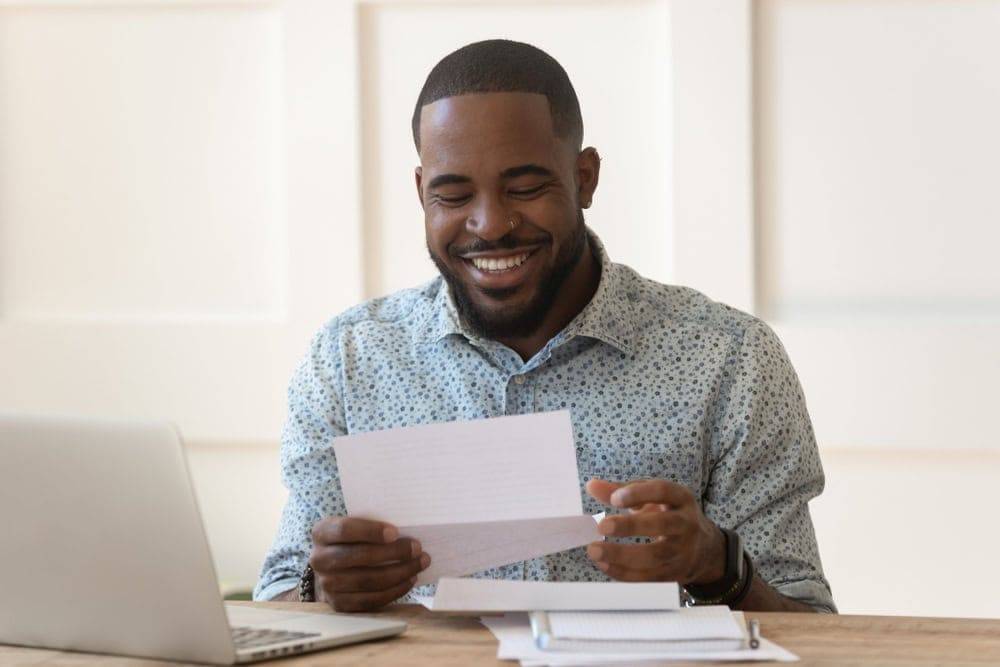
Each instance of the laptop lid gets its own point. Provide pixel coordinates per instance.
(101, 543)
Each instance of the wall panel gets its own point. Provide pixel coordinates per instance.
(178, 209)
(877, 152)
(139, 180)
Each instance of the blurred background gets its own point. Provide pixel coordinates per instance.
(189, 189)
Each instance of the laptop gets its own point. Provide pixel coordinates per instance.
(102, 549)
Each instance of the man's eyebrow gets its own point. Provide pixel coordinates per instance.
(526, 170)
(447, 179)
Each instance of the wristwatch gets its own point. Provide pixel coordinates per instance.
(734, 585)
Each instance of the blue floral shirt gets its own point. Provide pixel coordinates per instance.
(660, 382)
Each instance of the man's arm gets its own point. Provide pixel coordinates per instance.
(291, 595)
(765, 470)
(762, 597)
(686, 546)
(359, 565)
(308, 464)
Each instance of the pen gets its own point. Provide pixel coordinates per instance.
(754, 626)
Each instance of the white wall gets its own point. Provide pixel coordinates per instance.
(877, 154)
(173, 224)
(187, 190)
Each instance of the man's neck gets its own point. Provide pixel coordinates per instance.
(577, 290)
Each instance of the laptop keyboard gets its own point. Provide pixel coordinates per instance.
(244, 637)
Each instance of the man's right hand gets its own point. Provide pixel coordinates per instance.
(361, 565)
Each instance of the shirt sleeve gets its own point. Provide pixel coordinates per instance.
(308, 465)
(766, 467)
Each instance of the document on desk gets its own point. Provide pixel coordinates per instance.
(493, 595)
(477, 494)
(513, 632)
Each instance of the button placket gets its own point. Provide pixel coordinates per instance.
(520, 396)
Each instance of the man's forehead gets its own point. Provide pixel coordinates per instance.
(466, 126)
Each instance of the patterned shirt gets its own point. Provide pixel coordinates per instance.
(660, 382)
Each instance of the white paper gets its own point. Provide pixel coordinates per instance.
(489, 595)
(713, 622)
(458, 549)
(476, 494)
(499, 469)
(516, 643)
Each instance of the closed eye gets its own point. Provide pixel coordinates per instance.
(452, 201)
(527, 192)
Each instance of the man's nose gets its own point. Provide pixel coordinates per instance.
(489, 220)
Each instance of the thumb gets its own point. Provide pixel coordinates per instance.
(602, 490)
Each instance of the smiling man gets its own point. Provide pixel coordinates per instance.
(689, 420)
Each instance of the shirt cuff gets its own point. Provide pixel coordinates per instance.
(809, 592)
(274, 589)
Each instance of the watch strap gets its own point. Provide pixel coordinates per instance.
(307, 585)
(748, 575)
(735, 584)
(732, 575)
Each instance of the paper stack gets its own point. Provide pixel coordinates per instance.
(590, 623)
(642, 637)
(473, 596)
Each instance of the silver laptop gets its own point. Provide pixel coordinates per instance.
(102, 550)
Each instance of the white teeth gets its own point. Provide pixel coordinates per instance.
(499, 264)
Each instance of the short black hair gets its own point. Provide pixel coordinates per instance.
(504, 66)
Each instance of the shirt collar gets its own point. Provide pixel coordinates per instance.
(442, 317)
(608, 317)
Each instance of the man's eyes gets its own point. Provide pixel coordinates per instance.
(458, 200)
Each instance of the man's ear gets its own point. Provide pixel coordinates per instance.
(418, 174)
(588, 173)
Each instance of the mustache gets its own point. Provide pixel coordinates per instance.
(506, 243)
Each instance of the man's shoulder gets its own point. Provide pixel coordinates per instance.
(401, 311)
(665, 308)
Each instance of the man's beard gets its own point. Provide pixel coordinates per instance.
(509, 322)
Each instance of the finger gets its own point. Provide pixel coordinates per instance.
(648, 507)
(602, 490)
(340, 529)
(328, 557)
(658, 523)
(373, 579)
(652, 491)
(370, 601)
(652, 556)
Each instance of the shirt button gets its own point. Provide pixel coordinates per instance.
(518, 379)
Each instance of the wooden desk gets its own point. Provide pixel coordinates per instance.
(456, 641)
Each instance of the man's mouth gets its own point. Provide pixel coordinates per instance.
(499, 264)
(501, 269)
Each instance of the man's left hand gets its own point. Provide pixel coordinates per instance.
(687, 547)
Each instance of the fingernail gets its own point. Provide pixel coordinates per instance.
(390, 534)
(595, 552)
(616, 498)
(603, 567)
(425, 560)
(415, 548)
(606, 527)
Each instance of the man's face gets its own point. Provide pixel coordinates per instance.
(487, 159)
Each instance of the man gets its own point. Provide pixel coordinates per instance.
(689, 421)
